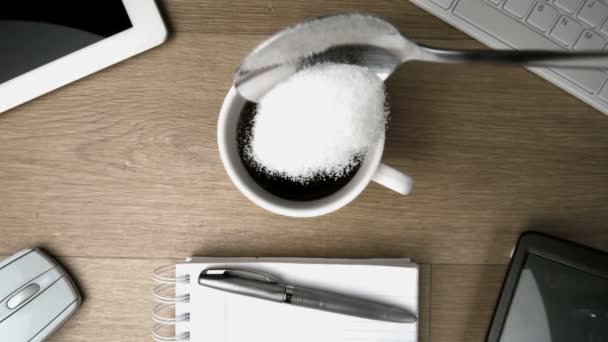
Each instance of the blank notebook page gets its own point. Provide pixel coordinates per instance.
(217, 316)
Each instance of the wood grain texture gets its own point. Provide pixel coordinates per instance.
(268, 16)
(424, 303)
(463, 298)
(120, 170)
(125, 163)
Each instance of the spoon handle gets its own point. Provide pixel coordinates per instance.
(536, 58)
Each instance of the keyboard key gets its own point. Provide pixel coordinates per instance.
(499, 29)
(590, 40)
(590, 80)
(569, 6)
(604, 29)
(443, 3)
(604, 93)
(542, 16)
(593, 13)
(497, 24)
(518, 8)
(566, 30)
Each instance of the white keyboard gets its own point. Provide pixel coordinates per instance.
(537, 24)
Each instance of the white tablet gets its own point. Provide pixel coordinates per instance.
(47, 44)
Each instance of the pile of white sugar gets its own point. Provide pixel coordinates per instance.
(320, 122)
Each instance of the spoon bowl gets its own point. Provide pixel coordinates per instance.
(351, 38)
(372, 42)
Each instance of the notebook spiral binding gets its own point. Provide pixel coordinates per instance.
(166, 282)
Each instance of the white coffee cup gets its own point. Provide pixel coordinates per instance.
(371, 169)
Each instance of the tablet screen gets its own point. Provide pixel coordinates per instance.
(554, 302)
(34, 33)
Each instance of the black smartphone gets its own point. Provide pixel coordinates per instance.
(554, 291)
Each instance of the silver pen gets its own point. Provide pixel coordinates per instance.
(264, 286)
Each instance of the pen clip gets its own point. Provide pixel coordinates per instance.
(247, 274)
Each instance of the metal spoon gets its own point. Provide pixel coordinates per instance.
(369, 41)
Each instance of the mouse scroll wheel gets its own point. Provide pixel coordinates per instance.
(23, 295)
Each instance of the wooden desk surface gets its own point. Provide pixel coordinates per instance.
(119, 173)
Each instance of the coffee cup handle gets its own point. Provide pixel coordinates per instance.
(393, 179)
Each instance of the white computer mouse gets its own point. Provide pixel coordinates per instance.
(36, 297)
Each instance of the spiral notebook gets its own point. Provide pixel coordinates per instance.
(203, 314)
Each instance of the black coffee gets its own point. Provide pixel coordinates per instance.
(316, 188)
